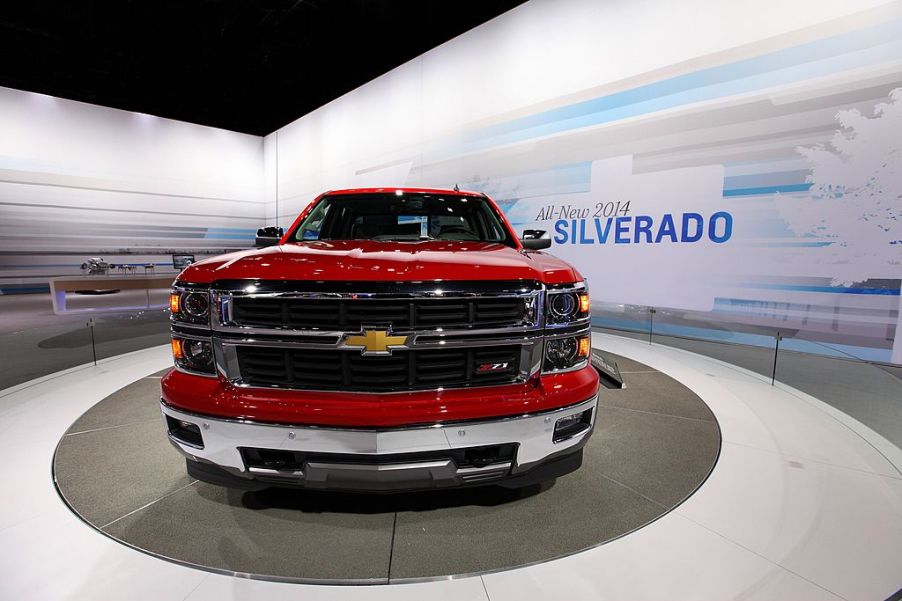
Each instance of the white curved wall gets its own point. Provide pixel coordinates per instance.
(78, 180)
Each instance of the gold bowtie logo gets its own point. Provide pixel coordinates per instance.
(375, 342)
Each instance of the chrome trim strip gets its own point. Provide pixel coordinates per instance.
(223, 312)
(383, 288)
(263, 471)
(564, 370)
(341, 345)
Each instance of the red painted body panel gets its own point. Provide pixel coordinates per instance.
(365, 260)
(342, 260)
(209, 396)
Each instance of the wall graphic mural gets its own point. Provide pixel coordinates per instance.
(751, 188)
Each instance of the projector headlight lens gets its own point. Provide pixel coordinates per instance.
(193, 355)
(197, 304)
(567, 306)
(564, 306)
(565, 353)
(190, 306)
(561, 352)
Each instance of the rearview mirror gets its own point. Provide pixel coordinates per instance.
(268, 236)
(535, 240)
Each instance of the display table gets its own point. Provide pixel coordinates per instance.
(60, 286)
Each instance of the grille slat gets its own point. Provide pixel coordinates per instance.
(346, 370)
(352, 314)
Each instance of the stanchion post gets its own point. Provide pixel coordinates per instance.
(90, 325)
(651, 322)
(773, 374)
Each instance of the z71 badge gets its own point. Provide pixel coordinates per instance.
(491, 367)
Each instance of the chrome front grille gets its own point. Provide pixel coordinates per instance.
(307, 336)
(345, 314)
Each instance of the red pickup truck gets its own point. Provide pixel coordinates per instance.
(391, 339)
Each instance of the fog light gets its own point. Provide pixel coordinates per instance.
(185, 432)
(571, 425)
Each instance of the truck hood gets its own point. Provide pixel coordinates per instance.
(356, 260)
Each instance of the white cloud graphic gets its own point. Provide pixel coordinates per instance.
(856, 197)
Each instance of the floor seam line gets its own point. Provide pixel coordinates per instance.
(104, 428)
(134, 511)
(633, 490)
(740, 545)
(391, 547)
(694, 419)
(202, 580)
(484, 587)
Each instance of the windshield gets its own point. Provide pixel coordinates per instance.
(407, 217)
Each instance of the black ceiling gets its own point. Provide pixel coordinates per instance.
(245, 65)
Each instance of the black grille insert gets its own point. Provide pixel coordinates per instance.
(352, 314)
(317, 369)
(278, 459)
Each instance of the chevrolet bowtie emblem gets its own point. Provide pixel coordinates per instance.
(375, 342)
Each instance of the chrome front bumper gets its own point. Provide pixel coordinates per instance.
(335, 464)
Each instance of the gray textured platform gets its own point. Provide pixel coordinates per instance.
(655, 444)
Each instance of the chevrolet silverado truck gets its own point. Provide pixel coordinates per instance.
(390, 340)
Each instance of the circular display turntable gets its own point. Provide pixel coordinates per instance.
(655, 443)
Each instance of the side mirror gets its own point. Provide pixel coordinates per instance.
(535, 240)
(268, 236)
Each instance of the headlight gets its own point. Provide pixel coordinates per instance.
(566, 353)
(190, 306)
(193, 355)
(567, 306)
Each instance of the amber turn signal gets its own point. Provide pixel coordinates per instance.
(584, 346)
(584, 303)
(177, 351)
(174, 303)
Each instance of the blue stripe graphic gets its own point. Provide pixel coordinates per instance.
(863, 47)
(767, 190)
(827, 289)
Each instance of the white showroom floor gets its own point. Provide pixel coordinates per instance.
(803, 503)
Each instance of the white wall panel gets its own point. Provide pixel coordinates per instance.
(78, 180)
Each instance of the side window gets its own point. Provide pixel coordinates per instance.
(310, 230)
